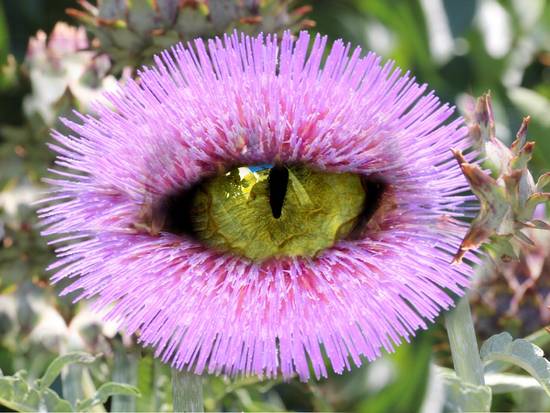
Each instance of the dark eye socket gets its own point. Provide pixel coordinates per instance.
(377, 192)
(272, 211)
(176, 211)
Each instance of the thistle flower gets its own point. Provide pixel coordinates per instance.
(341, 171)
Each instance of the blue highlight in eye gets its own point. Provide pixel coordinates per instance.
(257, 168)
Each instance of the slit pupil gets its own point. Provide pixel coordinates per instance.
(278, 185)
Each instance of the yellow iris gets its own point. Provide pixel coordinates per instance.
(276, 212)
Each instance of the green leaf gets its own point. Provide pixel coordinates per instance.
(543, 181)
(105, 391)
(154, 383)
(54, 403)
(520, 352)
(54, 369)
(540, 337)
(459, 393)
(146, 384)
(17, 394)
(532, 103)
(400, 393)
(112, 10)
(141, 16)
(4, 33)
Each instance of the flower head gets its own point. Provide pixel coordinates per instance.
(242, 102)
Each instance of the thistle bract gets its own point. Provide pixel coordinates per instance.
(513, 295)
(132, 32)
(123, 205)
(507, 192)
(63, 73)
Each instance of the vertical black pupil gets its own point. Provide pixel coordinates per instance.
(278, 184)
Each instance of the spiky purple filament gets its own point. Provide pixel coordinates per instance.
(257, 101)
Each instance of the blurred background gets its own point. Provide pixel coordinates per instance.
(460, 48)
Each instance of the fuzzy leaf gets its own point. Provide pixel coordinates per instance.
(105, 391)
(520, 352)
(17, 394)
(54, 369)
(460, 394)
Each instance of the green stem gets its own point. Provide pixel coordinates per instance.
(187, 391)
(71, 379)
(464, 349)
(462, 337)
(77, 385)
(124, 371)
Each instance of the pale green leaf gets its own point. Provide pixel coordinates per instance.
(502, 347)
(54, 403)
(460, 394)
(17, 394)
(105, 391)
(54, 369)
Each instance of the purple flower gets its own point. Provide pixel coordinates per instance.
(255, 101)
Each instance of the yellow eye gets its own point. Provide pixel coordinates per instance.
(262, 212)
